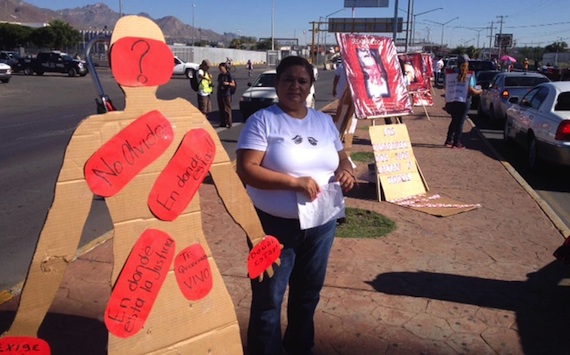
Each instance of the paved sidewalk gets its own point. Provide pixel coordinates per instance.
(481, 282)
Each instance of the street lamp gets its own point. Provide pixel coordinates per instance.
(413, 40)
(442, 27)
(325, 35)
(273, 25)
(193, 10)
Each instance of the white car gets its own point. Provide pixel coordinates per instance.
(5, 73)
(540, 122)
(262, 94)
(183, 68)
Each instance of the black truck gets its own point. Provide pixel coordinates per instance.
(51, 62)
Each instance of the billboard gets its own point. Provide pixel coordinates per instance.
(365, 3)
(364, 25)
(504, 40)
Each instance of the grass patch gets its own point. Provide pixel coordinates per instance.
(364, 224)
(363, 157)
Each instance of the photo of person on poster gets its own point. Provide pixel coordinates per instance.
(374, 73)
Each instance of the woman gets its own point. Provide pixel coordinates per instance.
(283, 150)
(460, 86)
(224, 95)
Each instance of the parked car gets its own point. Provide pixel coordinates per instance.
(184, 68)
(540, 122)
(262, 94)
(5, 73)
(9, 57)
(494, 100)
(483, 78)
(51, 62)
(476, 65)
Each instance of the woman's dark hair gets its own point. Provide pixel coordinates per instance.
(292, 61)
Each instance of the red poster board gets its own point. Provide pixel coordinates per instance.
(138, 284)
(414, 66)
(374, 76)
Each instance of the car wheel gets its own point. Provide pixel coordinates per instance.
(480, 112)
(83, 74)
(28, 71)
(71, 72)
(533, 160)
(507, 133)
(5, 81)
(40, 73)
(188, 73)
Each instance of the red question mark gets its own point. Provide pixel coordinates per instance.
(141, 78)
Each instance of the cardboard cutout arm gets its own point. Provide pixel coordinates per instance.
(237, 203)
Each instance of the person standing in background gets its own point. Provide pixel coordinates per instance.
(439, 75)
(249, 67)
(339, 81)
(224, 95)
(460, 86)
(205, 87)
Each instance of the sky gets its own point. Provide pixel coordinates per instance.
(459, 22)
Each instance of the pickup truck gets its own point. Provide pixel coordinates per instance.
(51, 62)
(183, 68)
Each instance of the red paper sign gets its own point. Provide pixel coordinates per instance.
(179, 181)
(193, 272)
(24, 346)
(141, 62)
(138, 285)
(374, 75)
(119, 160)
(263, 255)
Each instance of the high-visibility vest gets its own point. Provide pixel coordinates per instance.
(205, 85)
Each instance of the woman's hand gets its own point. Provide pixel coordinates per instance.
(308, 186)
(346, 179)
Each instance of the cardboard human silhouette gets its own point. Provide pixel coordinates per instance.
(147, 161)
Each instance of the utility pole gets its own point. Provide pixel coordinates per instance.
(491, 41)
(501, 34)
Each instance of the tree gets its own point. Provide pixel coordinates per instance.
(43, 37)
(556, 47)
(65, 35)
(12, 36)
(263, 45)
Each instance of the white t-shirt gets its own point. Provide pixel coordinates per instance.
(439, 66)
(339, 71)
(298, 147)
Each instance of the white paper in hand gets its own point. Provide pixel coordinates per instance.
(328, 205)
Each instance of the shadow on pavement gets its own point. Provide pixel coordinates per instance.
(540, 304)
(68, 335)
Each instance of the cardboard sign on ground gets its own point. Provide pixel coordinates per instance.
(397, 172)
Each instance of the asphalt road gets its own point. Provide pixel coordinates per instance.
(552, 183)
(38, 117)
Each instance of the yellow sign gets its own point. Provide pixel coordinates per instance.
(397, 172)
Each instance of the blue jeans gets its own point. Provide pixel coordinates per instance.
(458, 112)
(304, 260)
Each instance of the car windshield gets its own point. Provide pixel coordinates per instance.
(529, 81)
(486, 75)
(66, 57)
(265, 80)
(563, 102)
(478, 65)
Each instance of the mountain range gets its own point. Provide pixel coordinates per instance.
(99, 16)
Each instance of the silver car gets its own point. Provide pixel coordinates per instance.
(494, 100)
(540, 122)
